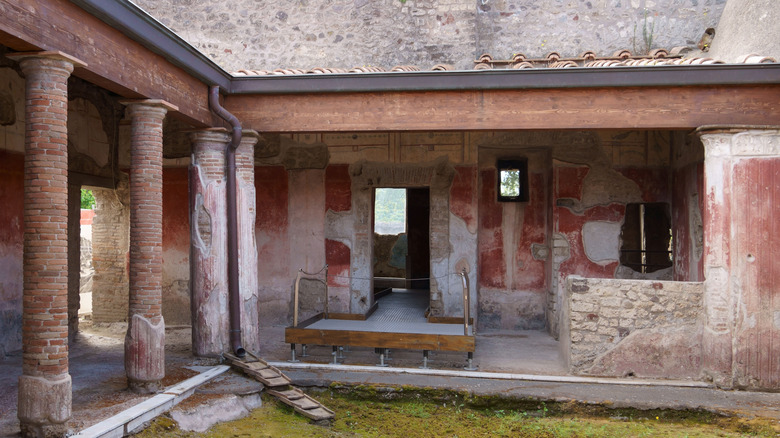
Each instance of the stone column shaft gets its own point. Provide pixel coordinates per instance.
(208, 248)
(44, 404)
(247, 243)
(145, 339)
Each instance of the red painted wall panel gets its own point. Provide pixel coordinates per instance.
(462, 194)
(530, 273)
(272, 198)
(337, 256)
(756, 201)
(492, 267)
(688, 183)
(176, 218)
(653, 181)
(338, 188)
(11, 248)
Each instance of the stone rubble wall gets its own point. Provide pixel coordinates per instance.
(245, 34)
(658, 321)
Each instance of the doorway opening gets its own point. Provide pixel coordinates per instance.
(401, 236)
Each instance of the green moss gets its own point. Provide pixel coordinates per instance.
(381, 411)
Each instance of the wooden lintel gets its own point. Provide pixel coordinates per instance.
(410, 341)
(114, 61)
(569, 108)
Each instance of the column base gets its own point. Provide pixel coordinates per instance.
(44, 406)
(145, 354)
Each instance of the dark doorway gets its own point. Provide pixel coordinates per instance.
(402, 247)
(418, 261)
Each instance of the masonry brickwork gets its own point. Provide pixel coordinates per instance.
(609, 314)
(306, 34)
(145, 340)
(44, 387)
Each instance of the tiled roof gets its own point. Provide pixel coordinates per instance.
(622, 58)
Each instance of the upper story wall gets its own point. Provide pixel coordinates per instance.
(350, 33)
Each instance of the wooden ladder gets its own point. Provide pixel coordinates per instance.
(280, 386)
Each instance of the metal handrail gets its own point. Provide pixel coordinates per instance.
(297, 290)
(466, 308)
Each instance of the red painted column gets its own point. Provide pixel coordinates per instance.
(247, 243)
(145, 339)
(718, 324)
(741, 339)
(208, 247)
(44, 405)
(208, 251)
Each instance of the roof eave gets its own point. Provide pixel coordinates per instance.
(582, 77)
(143, 28)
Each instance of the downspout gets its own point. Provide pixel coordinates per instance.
(234, 297)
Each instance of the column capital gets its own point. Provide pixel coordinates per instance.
(740, 140)
(209, 135)
(158, 106)
(30, 61)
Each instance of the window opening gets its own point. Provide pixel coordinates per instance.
(512, 180)
(646, 237)
(390, 211)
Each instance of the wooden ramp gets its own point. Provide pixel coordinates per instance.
(271, 377)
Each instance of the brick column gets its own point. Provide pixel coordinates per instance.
(208, 248)
(247, 244)
(44, 405)
(145, 339)
(742, 307)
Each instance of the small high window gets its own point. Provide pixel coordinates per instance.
(512, 180)
(390, 211)
(646, 237)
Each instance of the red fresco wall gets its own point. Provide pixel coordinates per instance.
(338, 188)
(492, 269)
(176, 218)
(688, 181)
(462, 195)
(11, 248)
(568, 184)
(273, 246)
(754, 264)
(528, 274)
(176, 246)
(338, 197)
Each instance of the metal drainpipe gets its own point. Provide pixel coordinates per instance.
(232, 218)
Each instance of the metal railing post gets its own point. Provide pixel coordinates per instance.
(295, 298)
(466, 308)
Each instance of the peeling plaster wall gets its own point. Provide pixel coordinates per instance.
(11, 245)
(688, 203)
(11, 214)
(176, 247)
(595, 175)
(636, 328)
(512, 241)
(273, 246)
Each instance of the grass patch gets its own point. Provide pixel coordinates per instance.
(413, 412)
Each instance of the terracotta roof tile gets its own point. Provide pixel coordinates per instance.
(519, 61)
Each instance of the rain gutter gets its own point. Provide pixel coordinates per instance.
(538, 78)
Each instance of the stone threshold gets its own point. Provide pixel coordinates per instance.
(133, 419)
(493, 375)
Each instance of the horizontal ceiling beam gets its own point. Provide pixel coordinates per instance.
(565, 108)
(114, 61)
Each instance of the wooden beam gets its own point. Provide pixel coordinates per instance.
(569, 108)
(114, 61)
(409, 341)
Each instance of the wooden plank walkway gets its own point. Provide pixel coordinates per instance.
(271, 377)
